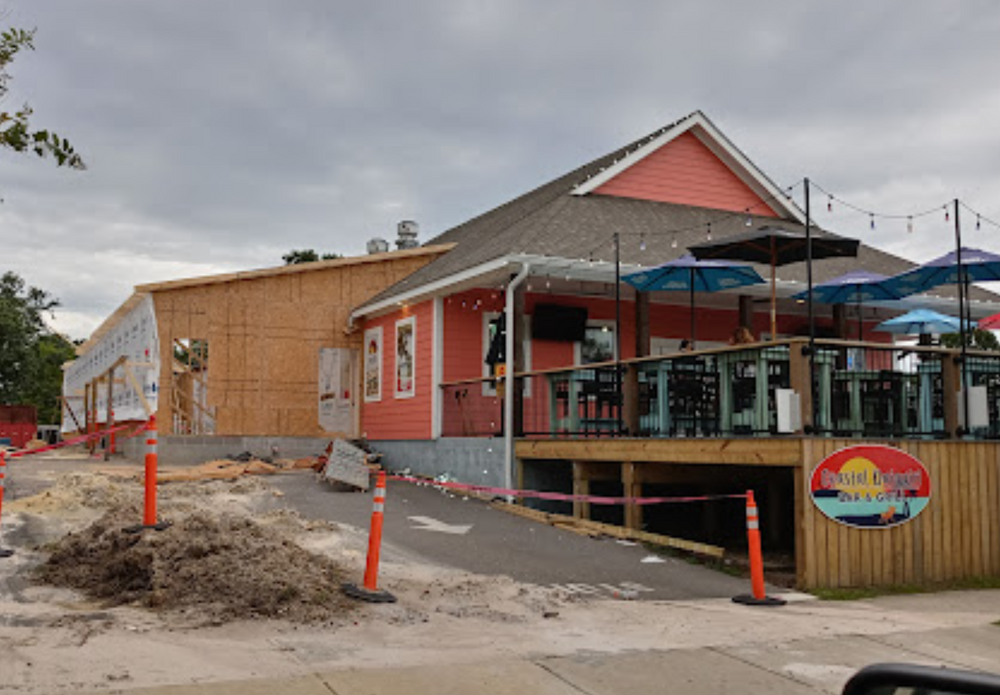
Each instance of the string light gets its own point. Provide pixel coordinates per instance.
(909, 224)
(642, 242)
(871, 216)
(829, 203)
(947, 216)
(749, 218)
(977, 222)
(709, 235)
(673, 244)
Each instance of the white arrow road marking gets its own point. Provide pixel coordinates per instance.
(652, 559)
(429, 524)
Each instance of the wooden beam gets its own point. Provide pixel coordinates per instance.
(560, 520)
(642, 327)
(581, 486)
(772, 451)
(632, 488)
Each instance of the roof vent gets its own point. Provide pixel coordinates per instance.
(378, 245)
(407, 231)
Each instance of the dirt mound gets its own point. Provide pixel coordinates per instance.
(212, 567)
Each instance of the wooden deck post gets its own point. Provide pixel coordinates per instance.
(840, 322)
(746, 311)
(581, 486)
(632, 487)
(801, 383)
(642, 327)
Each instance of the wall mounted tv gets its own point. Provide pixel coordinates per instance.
(554, 322)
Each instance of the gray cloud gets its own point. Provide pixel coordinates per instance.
(220, 134)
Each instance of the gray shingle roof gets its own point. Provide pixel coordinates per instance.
(550, 220)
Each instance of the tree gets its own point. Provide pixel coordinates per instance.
(45, 382)
(15, 128)
(296, 256)
(31, 356)
(977, 339)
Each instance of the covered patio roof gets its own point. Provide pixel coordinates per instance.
(590, 277)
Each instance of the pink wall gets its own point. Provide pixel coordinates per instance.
(685, 171)
(403, 418)
(476, 411)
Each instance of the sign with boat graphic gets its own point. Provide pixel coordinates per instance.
(870, 486)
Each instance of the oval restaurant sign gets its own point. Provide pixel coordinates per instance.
(870, 486)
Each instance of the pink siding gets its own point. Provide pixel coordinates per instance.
(403, 418)
(685, 171)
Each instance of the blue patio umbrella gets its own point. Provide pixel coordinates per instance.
(857, 286)
(688, 273)
(920, 321)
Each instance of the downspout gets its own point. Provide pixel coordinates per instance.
(508, 401)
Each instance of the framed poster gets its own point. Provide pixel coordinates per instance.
(406, 344)
(373, 364)
(336, 393)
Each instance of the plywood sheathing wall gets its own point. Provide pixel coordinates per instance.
(264, 335)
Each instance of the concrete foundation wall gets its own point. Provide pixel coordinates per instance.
(478, 461)
(192, 450)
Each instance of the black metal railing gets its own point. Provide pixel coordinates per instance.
(858, 390)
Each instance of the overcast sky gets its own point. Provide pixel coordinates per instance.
(221, 134)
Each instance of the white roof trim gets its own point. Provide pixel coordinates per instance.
(720, 146)
(431, 289)
(579, 269)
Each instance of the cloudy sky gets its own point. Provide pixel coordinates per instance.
(220, 134)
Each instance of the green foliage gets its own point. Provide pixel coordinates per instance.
(977, 339)
(15, 126)
(46, 376)
(296, 256)
(31, 357)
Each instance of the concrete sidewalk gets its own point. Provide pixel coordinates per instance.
(817, 665)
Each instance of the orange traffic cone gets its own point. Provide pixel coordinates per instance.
(758, 597)
(149, 506)
(370, 592)
(4, 552)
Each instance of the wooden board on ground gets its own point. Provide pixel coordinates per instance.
(597, 528)
(348, 465)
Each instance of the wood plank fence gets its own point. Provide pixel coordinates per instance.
(956, 537)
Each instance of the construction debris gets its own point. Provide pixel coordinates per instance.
(190, 568)
(347, 465)
(596, 529)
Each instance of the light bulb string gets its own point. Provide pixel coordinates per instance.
(874, 214)
(979, 216)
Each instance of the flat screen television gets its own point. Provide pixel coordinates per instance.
(555, 322)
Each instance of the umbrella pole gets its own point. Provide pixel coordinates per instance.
(691, 270)
(962, 302)
(861, 323)
(774, 298)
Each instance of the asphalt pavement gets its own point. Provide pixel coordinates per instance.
(466, 533)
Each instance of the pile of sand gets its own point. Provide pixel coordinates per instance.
(213, 567)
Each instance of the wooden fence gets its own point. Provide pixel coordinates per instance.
(957, 536)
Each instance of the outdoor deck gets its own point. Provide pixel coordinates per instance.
(762, 417)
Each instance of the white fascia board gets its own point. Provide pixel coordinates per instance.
(720, 146)
(434, 288)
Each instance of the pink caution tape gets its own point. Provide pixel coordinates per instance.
(79, 440)
(560, 496)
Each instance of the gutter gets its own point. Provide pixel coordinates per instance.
(508, 401)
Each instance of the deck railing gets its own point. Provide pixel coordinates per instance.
(846, 389)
